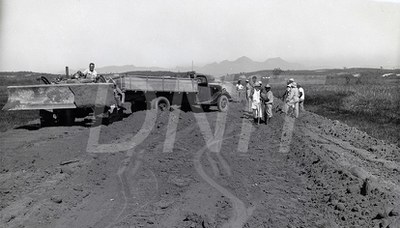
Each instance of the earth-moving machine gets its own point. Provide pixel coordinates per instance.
(62, 101)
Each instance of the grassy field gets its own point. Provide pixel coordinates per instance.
(371, 107)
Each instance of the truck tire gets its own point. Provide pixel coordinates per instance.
(46, 118)
(160, 104)
(206, 108)
(113, 116)
(222, 103)
(138, 106)
(67, 117)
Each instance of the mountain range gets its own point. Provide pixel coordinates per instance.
(242, 64)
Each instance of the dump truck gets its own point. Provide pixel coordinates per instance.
(61, 102)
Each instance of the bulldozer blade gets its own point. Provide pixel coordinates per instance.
(58, 96)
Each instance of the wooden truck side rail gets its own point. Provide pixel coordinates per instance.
(157, 84)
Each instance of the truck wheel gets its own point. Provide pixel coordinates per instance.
(138, 106)
(161, 103)
(67, 117)
(112, 116)
(222, 103)
(205, 108)
(46, 118)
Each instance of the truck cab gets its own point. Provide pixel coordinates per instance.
(211, 94)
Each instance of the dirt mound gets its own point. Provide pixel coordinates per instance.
(195, 169)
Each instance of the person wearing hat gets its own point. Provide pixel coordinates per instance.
(268, 100)
(253, 79)
(285, 98)
(249, 90)
(256, 103)
(301, 97)
(293, 99)
(240, 90)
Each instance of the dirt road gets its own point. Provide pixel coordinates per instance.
(194, 169)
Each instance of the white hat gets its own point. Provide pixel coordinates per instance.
(257, 84)
(260, 82)
(291, 80)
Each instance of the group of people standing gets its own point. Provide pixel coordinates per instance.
(293, 98)
(259, 99)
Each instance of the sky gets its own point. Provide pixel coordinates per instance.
(47, 35)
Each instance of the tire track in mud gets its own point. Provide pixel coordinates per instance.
(213, 145)
(126, 193)
(352, 157)
(240, 212)
(121, 173)
(125, 187)
(214, 141)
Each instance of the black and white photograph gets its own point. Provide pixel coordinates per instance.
(200, 113)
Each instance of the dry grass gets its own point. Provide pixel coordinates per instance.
(373, 108)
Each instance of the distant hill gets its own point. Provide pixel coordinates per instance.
(242, 64)
(245, 64)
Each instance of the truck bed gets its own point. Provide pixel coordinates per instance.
(157, 84)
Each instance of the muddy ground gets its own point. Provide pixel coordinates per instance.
(195, 169)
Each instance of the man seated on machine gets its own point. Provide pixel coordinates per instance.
(89, 75)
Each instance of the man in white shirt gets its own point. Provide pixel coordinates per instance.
(240, 90)
(293, 99)
(90, 73)
(302, 96)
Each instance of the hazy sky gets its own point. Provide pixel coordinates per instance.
(47, 35)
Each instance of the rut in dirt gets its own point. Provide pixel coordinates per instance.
(240, 212)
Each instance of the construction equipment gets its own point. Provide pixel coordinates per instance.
(58, 96)
(62, 101)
